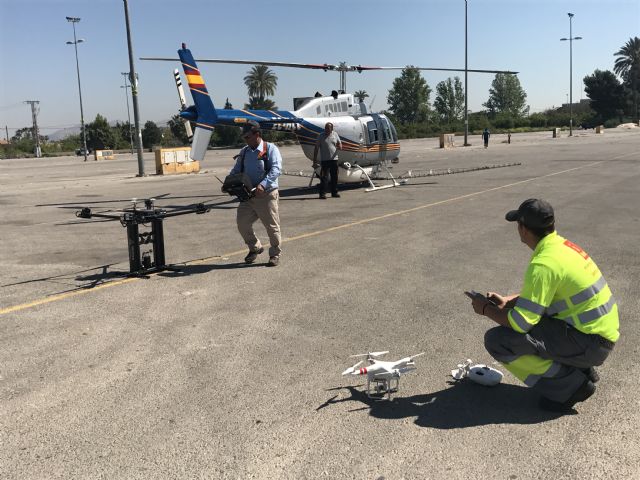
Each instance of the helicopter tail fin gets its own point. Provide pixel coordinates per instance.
(203, 113)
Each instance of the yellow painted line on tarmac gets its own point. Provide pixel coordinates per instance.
(62, 296)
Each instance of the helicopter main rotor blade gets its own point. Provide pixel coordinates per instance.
(323, 66)
(314, 66)
(417, 355)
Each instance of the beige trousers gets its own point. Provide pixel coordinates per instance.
(266, 209)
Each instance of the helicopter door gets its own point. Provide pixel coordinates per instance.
(383, 136)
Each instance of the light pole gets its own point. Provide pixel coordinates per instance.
(466, 73)
(571, 39)
(133, 79)
(126, 95)
(75, 43)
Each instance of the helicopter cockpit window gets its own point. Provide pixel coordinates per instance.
(387, 130)
(393, 132)
(373, 132)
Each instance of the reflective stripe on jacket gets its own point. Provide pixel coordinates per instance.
(563, 282)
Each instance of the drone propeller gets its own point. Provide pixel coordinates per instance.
(352, 369)
(370, 354)
(417, 355)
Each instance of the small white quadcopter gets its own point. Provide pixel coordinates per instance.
(382, 374)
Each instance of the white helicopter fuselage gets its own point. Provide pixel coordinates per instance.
(368, 139)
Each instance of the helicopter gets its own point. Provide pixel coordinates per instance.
(382, 373)
(369, 140)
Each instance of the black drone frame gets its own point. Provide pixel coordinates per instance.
(131, 218)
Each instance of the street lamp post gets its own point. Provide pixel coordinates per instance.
(126, 95)
(571, 39)
(133, 79)
(75, 43)
(466, 73)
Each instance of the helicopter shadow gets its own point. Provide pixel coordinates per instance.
(462, 405)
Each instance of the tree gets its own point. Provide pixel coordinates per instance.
(361, 95)
(606, 94)
(260, 82)
(627, 65)
(409, 96)
(257, 103)
(449, 102)
(99, 134)
(506, 96)
(177, 127)
(151, 135)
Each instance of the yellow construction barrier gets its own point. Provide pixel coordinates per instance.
(104, 155)
(175, 160)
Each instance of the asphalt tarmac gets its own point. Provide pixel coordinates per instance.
(222, 370)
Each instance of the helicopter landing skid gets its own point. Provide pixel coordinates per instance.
(374, 187)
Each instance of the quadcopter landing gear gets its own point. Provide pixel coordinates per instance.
(382, 387)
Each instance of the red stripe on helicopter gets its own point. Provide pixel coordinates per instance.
(363, 371)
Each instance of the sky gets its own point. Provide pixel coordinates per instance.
(517, 35)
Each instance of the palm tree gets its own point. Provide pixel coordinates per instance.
(361, 95)
(627, 65)
(260, 82)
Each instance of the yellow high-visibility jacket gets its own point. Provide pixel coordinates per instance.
(563, 282)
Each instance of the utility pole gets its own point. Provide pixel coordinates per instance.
(466, 75)
(126, 94)
(134, 93)
(6, 129)
(36, 135)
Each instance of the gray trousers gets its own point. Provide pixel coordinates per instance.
(566, 350)
(264, 208)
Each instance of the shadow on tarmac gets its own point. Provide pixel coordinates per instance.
(186, 270)
(462, 405)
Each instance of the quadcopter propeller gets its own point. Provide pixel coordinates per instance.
(352, 369)
(370, 354)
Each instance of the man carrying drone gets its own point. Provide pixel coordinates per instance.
(260, 163)
(563, 322)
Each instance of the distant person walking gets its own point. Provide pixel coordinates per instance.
(485, 136)
(328, 144)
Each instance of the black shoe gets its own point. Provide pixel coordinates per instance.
(335, 195)
(273, 261)
(251, 257)
(591, 374)
(585, 391)
(323, 196)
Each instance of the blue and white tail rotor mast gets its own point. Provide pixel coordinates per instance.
(369, 140)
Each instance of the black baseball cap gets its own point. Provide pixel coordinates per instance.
(534, 213)
(250, 127)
